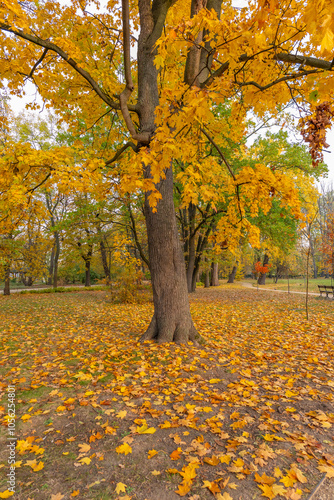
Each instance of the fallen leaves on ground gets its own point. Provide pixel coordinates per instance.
(250, 412)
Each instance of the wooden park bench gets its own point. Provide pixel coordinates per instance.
(328, 290)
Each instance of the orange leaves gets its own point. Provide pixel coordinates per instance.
(212, 460)
(175, 455)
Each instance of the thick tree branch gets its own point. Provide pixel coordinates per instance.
(125, 95)
(120, 151)
(38, 62)
(312, 62)
(71, 62)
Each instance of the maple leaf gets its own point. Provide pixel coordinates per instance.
(264, 479)
(25, 417)
(184, 488)
(57, 496)
(278, 489)
(85, 460)
(145, 430)
(75, 493)
(327, 469)
(121, 414)
(224, 496)
(212, 461)
(155, 473)
(120, 488)
(175, 455)
(124, 448)
(151, 453)
(212, 486)
(84, 448)
(6, 494)
(288, 480)
(267, 491)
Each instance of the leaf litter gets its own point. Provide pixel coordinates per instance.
(248, 414)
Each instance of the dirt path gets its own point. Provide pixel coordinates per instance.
(249, 285)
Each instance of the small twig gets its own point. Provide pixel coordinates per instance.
(316, 489)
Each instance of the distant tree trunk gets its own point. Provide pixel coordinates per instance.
(56, 259)
(6, 290)
(190, 245)
(87, 272)
(262, 278)
(277, 274)
(214, 274)
(104, 259)
(51, 266)
(315, 271)
(207, 278)
(231, 276)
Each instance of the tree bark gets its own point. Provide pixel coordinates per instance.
(87, 272)
(214, 274)
(171, 320)
(232, 274)
(56, 259)
(104, 259)
(51, 266)
(207, 279)
(191, 248)
(6, 290)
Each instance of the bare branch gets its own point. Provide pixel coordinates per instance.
(38, 62)
(221, 154)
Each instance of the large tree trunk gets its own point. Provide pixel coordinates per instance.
(6, 290)
(262, 278)
(171, 320)
(232, 274)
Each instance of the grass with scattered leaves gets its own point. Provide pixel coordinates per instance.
(249, 414)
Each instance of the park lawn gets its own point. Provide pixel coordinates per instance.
(296, 284)
(249, 414)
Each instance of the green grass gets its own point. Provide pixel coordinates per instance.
(296, 284)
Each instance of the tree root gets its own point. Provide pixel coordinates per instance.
(168, 330)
